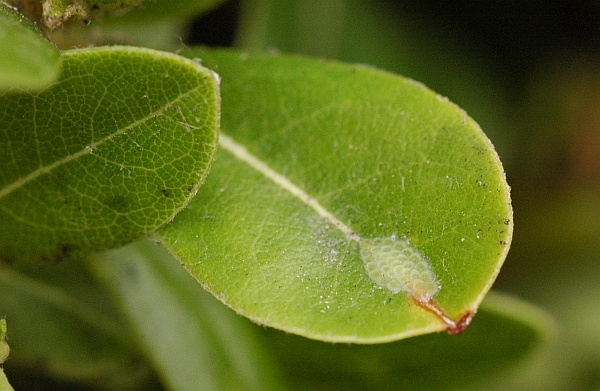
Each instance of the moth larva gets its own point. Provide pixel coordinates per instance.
(394, 264)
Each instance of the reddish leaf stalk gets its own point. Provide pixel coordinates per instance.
(454, 327)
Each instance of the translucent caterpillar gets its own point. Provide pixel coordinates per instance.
(393, 264)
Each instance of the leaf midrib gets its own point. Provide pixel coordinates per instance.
(88, 149)
(242, 154)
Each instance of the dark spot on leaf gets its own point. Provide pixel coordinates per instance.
(118, 203)
(66, 250)
(166, 192)
(8, 260)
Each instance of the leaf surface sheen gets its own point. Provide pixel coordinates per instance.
(316, 160)
(112, 151)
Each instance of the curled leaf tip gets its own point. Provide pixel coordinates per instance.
(454, 327)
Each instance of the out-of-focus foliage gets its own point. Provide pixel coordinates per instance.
(28, 61)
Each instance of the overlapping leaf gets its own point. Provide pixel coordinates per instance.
(106, 155)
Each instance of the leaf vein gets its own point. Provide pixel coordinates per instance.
(6, 190)
(241, 153)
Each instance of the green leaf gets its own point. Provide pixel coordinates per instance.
(193, 341)
(28, 61)
(4, 349)
(4, 385)
(323, 165)
(506, 339)
(63, 326)
(105, 156)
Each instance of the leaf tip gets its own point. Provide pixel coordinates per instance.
(454, 327)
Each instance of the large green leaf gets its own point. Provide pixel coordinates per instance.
(324, 165)
(192, 340)
(28, 61)
(108, 154)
